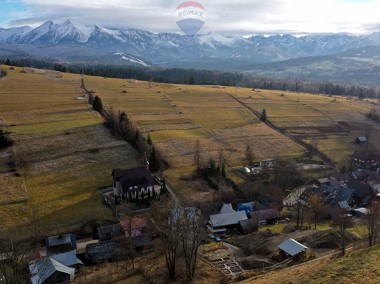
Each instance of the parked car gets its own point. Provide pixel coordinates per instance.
(217, 239)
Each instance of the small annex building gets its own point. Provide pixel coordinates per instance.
(291, 248)
(361, 139)
(61, 243)
(266, 216)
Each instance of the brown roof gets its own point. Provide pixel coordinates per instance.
(137, 226)
(264, 215)
(365, 156)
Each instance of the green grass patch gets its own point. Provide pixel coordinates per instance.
(163, 135)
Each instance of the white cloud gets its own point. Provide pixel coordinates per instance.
(239, 16)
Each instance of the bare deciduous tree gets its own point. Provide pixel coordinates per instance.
(249, 155)
(169, 229)
(13, 260)
(318, 208)
(197, 154)
(300, 212)
(373, 223)
(342, 222)
(191, 224)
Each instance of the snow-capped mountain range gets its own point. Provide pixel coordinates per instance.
(74, 42)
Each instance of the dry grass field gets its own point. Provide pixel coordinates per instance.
(334, 122)
(62, 151)
(177, 115)
(357, 267)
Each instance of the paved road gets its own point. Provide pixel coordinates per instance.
(174, 196)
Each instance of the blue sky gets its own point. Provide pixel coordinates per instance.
(238, 16)
(10, 10)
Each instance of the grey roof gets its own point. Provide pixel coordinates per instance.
(110, 231)
(341, 194)
(68, 258)
(222, 220)
(43, 268)
(323, 180)
(226, 208)
(362, 139)
(361, 189)
(248, 225)
(60, 240)
(104, 250)
(292, 247)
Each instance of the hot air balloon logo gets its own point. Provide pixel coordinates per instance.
(191, 17)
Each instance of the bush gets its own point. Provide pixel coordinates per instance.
(4, 140)
(3, 73)
(97, 105)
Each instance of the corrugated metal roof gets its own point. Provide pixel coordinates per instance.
(60, 240)
(221, 220)
(292, 247)
(68, 258)
(43, 268)
(104, 250)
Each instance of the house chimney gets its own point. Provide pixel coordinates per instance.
(146, 163)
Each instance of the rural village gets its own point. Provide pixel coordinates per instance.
(251, 214)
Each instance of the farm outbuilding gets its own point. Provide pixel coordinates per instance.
(267, 216)
(106, 233)
(103, 251)
(61, 243)
(247, 226)
(361, 139)
(292, 248)
(49, 270)
(226, 222)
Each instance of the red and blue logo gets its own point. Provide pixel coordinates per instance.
(191, 17)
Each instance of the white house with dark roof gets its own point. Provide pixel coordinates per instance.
(135, 183)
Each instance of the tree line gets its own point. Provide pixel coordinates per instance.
(122, 127)
(199, 77)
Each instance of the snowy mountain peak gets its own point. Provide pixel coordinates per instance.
(73, 41)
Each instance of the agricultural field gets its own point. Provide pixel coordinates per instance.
(330, 123)
(176, 116)
(62, 152)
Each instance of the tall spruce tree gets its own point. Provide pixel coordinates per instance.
(154, 161)
(264, 117)
(98, 105)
